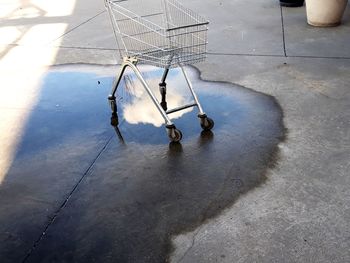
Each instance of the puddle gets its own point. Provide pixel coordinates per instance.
(141, 191)
(142, 121)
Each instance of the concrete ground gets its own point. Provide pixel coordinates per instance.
(57, 146)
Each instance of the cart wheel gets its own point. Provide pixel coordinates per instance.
(114, 120)
(112, 103)
(162, 90)
(174, 135)
(207, 123)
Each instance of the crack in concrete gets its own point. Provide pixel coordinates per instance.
(86, 21)
(191, 246)
(63, 205)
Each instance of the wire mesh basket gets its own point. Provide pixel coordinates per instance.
(162, 33)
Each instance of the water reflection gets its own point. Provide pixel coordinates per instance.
(141, 120)
(115, 123)
(138, 108)
(175, 149)
(205, 137)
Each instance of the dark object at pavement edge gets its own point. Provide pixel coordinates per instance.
(292, 3)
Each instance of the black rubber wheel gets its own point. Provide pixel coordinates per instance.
(114, 120)
(207, 124)
(113, 105)
(162, 90)
(175, 135)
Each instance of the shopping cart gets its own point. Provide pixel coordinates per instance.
(162, 33)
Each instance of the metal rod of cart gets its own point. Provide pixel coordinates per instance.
(162, 33)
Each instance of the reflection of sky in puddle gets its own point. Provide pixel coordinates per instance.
(137, 106)
(140, 121)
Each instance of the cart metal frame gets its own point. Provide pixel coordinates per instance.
(171, 36)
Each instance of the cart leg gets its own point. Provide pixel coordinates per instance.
(162, 89)
(163, 103)
(205, 122)
(111, 97)
(201, 112)
(174, 134)
(115, 123)
(150, 93)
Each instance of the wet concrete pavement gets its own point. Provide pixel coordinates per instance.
(298, 211)
(61, 139)
(92, 197)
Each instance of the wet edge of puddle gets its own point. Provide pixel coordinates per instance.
(271, 164)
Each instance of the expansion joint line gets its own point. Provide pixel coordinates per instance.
(86, 21)
(283, 33)
(64, 204)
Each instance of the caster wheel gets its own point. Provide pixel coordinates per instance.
(112, 104)
(174, 135)
(114, 120)
(206, 123)
(164, 105)
(162, 90)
